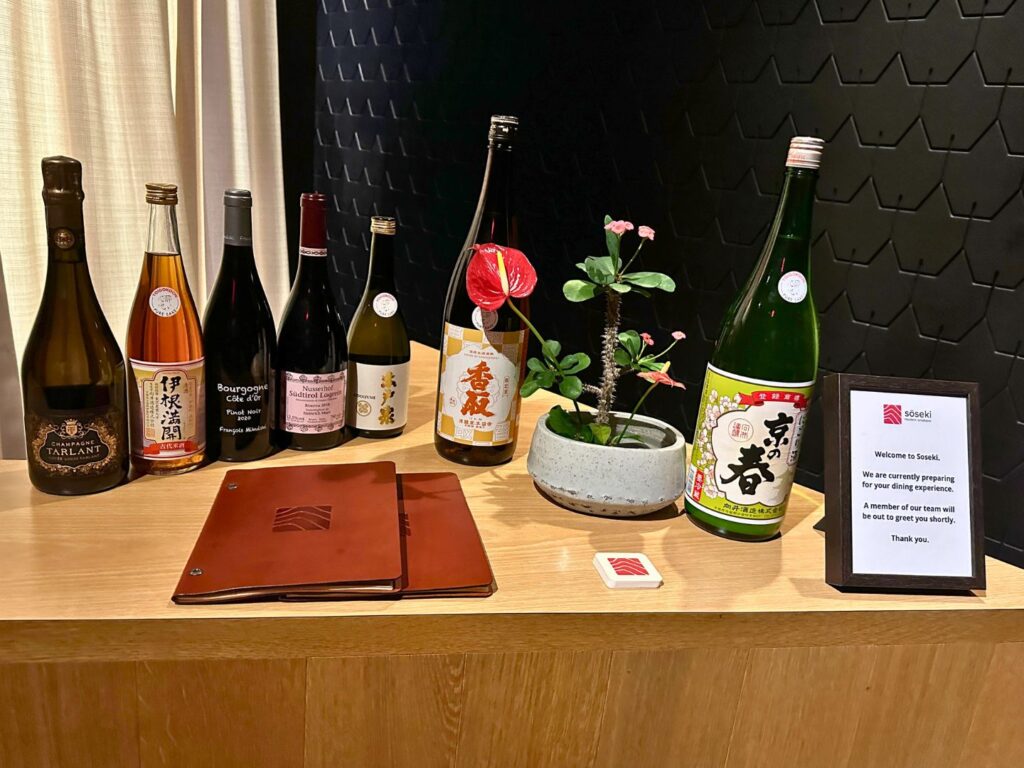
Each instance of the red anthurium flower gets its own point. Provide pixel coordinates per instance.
(660, 377)
(495, 273)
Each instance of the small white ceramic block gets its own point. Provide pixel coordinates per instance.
(627, 570)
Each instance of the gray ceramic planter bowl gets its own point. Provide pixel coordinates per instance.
(610, 481)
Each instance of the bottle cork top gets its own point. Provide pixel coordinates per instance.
(503, 128)
(382, 225)
(62, 178)
(162, 194)
(805, 152)
(238, 198)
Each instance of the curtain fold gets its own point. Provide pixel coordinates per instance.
(125, 87)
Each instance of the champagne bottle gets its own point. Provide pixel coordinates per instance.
(761, 375)
(311, 344)
(240, 342)
(72, 373)
(483, 353)
(167, 394)
(378, 345)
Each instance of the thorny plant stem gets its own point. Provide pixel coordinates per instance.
(609, 372)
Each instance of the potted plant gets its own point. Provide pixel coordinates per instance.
(601, 462)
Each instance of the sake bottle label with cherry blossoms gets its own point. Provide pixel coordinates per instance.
(746, 447)
(760, 377)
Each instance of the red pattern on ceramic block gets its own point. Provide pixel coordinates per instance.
(627, 566)
(892, 414)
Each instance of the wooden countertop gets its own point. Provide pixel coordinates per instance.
(91, 577)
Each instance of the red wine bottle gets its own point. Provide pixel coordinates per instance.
(312, 351)
(241, 346)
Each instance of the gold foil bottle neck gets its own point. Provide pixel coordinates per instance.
(382, 225)
(162, 194)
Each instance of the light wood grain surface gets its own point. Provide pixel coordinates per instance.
(744, 658)
(118, 555)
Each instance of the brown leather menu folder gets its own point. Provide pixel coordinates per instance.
(329, 529)
(442, 554)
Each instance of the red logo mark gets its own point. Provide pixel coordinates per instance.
(698, 485)
(627, 566)
(892, 414)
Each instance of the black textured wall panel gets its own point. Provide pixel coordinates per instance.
(676, 114)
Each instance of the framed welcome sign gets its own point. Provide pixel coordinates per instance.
(903, 502)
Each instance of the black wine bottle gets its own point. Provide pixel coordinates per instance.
(312, 350)
(241, 346)
(378, 345)
(72, 373)
(483, 352)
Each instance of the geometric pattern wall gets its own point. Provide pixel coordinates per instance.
(677, 114)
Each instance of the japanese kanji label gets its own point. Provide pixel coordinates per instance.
(172, 398)
(746, 446)
(478, 402)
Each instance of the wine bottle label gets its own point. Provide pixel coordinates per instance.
(793, 287)
(746, 446)
(380, 396)
(320, 253)
(169, 405)
(244, 408)
(164, 301)
(478, 399)
(79, 444)
(385, 305)
(313, 403)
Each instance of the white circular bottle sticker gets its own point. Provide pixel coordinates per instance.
(484, 319)
(164, 301)
(385, 305)
(793, 287)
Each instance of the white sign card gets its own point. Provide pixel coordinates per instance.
(910, 484)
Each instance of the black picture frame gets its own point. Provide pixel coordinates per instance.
(838, 492)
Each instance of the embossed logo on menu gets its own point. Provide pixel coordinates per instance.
(304, 518)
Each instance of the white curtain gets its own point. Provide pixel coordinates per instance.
(180, 91)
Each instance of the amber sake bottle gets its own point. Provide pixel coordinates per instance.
(72, 373)
(165, 352)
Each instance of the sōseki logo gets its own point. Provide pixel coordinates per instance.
(892, 414)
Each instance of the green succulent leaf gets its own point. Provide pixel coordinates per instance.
(612, 241)
(574, 363)
(544, 378)
(620, 287)
(535, 364)
(642, 292)
(650, 364)
(632, 342)
(622, 357)
(579, 290)
(601, 269)
(561, 423)
(530, 386)
(551, 349)
(602, 433)
(651, 280)
(571, 387)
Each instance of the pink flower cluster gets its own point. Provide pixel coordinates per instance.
(621, 227)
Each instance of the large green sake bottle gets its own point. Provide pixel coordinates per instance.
(761, 375)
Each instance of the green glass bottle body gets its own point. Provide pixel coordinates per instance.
(72, 372)
(378, 345)
(759, 382)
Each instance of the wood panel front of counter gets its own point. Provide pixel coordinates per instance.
(743, 658)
